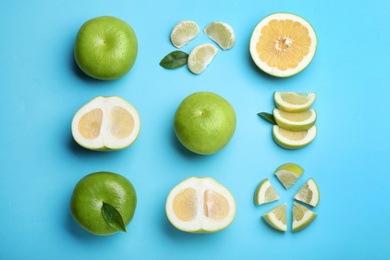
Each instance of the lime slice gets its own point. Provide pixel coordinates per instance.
(184, 32)
(265, 193)
(283, 44)
(276, 218)
(288, 174)
(294, 101)
(309, 193)
(200, 57)
(222, 34)
(302, 217)
(299, 121)
(293, 139)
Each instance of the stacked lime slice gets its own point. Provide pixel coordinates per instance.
(294, 118)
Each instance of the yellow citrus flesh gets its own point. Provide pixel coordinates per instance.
(276, 218)
(309, 193)
(200, 205)
(283, 44)
(265, 193)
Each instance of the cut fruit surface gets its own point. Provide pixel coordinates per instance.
(302, 217)
(293, 139)
(299, 121)
(276, 218)
(294, 101)
(288, 174)
(200, 57)
(265, 193)
(222, 34)
(183, 33)
(200, 205)
(106, 123)
(309, 193)
(283, 44)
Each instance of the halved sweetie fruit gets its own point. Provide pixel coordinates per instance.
(200, 205)
(106, 123)
(283, 44)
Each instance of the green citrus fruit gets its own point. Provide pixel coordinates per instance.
(95, 189)
(106, 48)
(204, 122)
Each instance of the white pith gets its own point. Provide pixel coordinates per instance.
(201, 223)
(105, 140)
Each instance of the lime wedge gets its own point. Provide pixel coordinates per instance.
(265, 193)
(288, 174)
(302, 217)
(276, 218)
(309, 193)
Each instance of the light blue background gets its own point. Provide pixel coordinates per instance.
(41, 89)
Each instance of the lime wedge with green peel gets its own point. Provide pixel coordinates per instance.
(293, 139)
(184, 32)
(222, 34)
(299, 121)
(288, 174)
(276, 218)
(265, 193)
(294, 101)
(302, 217)
(309, 193)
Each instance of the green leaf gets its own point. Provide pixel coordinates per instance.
(174, 60)
(267, 117)
(112, 217)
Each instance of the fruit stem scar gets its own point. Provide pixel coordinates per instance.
(283, 43)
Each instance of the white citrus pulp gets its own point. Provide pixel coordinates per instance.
(200, 205)
(184, 32)
(283, 44)
(222, 34)
(200, 57)
(106, 123)
(309, 193)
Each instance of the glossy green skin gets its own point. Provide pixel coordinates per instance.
(204, 122)
(96, 188)
(106, 48)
